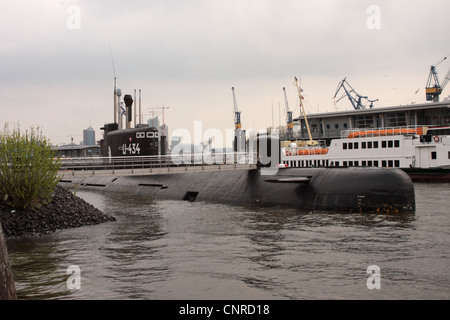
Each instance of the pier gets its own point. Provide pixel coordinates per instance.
(148, 165)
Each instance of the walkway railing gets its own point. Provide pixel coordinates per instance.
(136, 165)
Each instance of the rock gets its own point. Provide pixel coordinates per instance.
(64, 211)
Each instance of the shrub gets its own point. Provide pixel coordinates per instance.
(28, 168)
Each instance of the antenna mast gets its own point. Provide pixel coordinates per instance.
(115, 91)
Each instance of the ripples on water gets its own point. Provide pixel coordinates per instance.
(183, 250)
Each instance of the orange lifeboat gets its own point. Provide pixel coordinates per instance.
(385, 132)
(313, 151)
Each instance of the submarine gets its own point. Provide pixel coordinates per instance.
(268, 184)
(376, 190)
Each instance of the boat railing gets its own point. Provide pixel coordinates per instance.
(305, 150)
(385, 131)
(166, 161)
(303, 144)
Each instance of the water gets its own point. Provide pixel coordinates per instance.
(183, 250)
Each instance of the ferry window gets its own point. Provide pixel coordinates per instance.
(363, 145)
(375, 163)
(434, 155)
(364, 163)
(390, 144)
(375, 144)
(150, 135)
(345, 125)
(336, 125)
(345, 163)
(390, 163)
(344, 146)
(356, 163)
(369, 145)
(363, 121)
(156, 135)
(395, 119)
(397, 163)
(356, 145)
(369, 163)
(397, 143)
(384, 163)
(328, 127)
(383, 144)
(350, 146)
(449, 154)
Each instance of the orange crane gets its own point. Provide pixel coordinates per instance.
(237, 113)
(310, 142)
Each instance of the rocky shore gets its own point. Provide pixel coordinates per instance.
(64, 211)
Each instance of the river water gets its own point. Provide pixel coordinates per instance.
(183, 250)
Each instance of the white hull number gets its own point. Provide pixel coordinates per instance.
(131, 148)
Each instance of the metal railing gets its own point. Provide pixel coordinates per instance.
(150, 164)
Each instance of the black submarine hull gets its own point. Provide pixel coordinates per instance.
(341, 189)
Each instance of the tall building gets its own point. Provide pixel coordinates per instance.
(175, 141)
(163, 130)
(153, 122)
(89, 136)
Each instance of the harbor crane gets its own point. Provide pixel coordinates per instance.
(353, 96)
(433, 88)
(310, 142)
(239, 144)
(237, 113)
(289, 121)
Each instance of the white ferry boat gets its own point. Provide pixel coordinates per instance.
(422, 152)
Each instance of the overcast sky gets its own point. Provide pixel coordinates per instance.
(56, 68)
